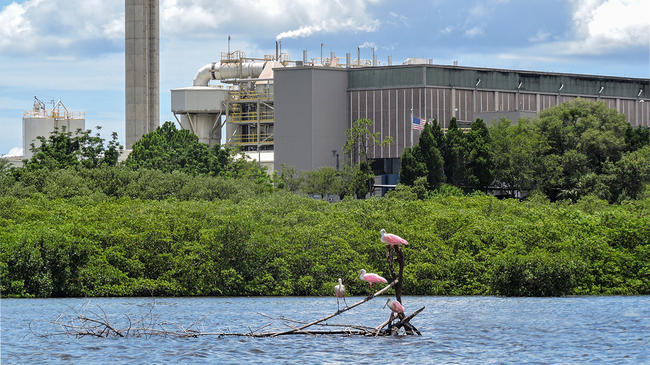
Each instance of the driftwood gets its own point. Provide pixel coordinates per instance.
(94, 322)
(333, 314)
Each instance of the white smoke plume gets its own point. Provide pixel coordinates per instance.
(329, 26)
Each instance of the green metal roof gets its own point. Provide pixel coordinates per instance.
(495, 79)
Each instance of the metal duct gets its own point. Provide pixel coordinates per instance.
(214, 71)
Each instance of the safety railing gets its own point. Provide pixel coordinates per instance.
(251, 139)
(246, 96)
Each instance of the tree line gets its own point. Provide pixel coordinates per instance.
(576, 149)
(280, 243)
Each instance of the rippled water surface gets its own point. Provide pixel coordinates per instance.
(454, 330)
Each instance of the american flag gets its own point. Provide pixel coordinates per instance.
(418, 123)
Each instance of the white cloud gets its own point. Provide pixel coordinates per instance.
(474, 32)
(286, 18)
(398, 19)
(14, 152)
(60, 27)
(448, 29)
(602, 26)
(540, 36)
(64, 27)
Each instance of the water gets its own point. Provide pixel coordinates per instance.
(460, 330)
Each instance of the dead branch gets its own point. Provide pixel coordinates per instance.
(333, 314)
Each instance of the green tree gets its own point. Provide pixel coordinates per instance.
(632, 173)
(63, 149)
(323, 182)
(169, 149)
(514, 154)
(428, 154)
(637, 137)
(410, 167)
(359, 140)
(581, 138)
(454, 155)
(289, 179)
(5, 166)
(479, 157)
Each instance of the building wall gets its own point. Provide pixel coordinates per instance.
(387, 95)
(329, 116)
(310, 102)
(310, 117)
(141, 66)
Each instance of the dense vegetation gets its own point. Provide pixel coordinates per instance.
(180, 218)
(283, 244)
(576, 149)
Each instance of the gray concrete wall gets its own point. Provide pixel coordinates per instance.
(310, 116)
(293, 118)
(141, 69)
(329, 116)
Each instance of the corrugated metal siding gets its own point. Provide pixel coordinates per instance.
(414, 76)
(377, 78)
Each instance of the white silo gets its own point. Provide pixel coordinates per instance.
(41, 122)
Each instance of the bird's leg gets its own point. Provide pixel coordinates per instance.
(346, 303)
(387, 251)
(338, 308)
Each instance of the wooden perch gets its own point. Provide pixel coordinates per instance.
(331, 315)
(405, 321)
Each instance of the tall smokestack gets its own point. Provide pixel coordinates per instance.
(141, 69)
(304, 56)
(390, 60)
(358, 56)
(347, 59)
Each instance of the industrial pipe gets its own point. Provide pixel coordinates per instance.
(214, 71)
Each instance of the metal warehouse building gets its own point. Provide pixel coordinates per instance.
(315, 105)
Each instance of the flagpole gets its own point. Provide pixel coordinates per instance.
(411, 127)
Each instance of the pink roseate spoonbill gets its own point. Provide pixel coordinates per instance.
(392, 239)
(371, 278)
(339, 291)
(394, 306)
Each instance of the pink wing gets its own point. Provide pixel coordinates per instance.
(374, 278)
(397, 307)
(394, 239)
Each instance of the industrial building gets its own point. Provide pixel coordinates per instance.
(315, 105)
(296, 112)
(41, 122)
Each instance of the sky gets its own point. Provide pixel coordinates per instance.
(73, 50)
